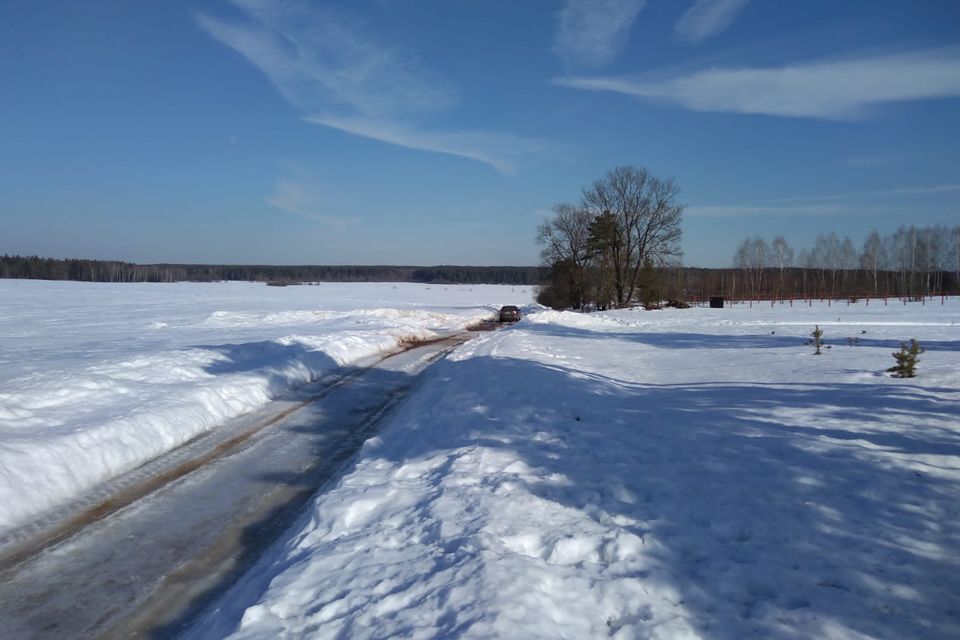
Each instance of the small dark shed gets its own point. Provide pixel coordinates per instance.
(716, 302)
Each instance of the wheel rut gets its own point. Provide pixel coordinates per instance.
(143, 558)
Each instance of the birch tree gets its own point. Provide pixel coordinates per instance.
(782, 256)
(870, 257)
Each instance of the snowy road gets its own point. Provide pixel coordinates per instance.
(146, 558)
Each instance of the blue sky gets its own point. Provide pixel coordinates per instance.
(442, 131)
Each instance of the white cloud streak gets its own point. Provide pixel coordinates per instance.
(707, 18)
(838, 90)
(820, 205)
(306, 199)
(502, 151)
(592, 33)
(736, 211)
(903, 191)
(338, 76)
(866, 162)
(315, 58)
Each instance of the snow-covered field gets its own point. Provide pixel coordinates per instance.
(668, 474)
(97, 378)
(680, 473)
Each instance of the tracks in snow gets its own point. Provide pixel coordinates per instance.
(145, 552)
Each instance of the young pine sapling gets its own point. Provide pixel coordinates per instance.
(817, 334)
(907, 360)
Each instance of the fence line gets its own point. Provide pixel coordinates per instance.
(808, 300)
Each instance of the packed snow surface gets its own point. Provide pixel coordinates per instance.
(663, 474)
(97, 378)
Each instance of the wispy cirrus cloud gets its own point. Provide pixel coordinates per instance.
(592, 33)
(736, 211)
(853, 202)
(707, 18)
(835, 90)
(865, 162)
(316, 57)
(325, 65)
(901, 191)
(304, 197)
(502, 151)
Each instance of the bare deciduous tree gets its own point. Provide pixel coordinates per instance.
(782, 256)
(648, 220)
(564, 243)
(832, 258)
(955, 252)
(870, 257)
(934, 256)
(751, 257)
(846, 259)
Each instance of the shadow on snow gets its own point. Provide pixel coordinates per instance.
(765, 524)
(686, 340)
(333, 434)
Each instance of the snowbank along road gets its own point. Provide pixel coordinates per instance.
(145, 552)
(97, 379)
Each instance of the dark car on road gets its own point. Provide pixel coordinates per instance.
(509, 313)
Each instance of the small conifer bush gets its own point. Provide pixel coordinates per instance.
(817, 334)
(907, 360)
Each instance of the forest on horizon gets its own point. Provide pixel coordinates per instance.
(680, 283)
(39, 268)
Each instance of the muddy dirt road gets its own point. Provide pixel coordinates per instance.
(142, 555)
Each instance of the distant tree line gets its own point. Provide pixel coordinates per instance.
(37, 268)
(911, 262)
(590, 261)
(478, 275)
(34, 267)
